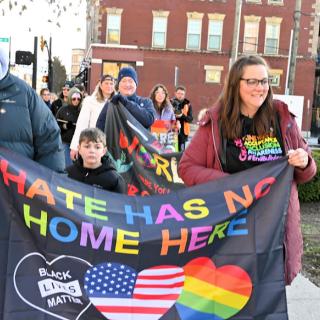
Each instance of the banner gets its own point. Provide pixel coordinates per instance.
(148, 166)
(166, 131)
(74, 252)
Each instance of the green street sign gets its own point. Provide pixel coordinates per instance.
(4, 39)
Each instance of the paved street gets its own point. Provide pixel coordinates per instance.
(303, 300)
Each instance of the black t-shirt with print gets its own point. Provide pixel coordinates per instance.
(251, 150)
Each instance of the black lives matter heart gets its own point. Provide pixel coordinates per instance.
(52, 287)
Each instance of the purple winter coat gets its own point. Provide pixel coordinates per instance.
(200, 163)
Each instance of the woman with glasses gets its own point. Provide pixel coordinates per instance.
(67, 117)
(247, 127)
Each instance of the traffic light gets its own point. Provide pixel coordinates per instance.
(24, 57)
(42, 43)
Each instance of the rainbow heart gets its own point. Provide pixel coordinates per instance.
(212, 293)
(120, 293)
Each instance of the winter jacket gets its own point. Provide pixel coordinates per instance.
(105, 176)
(57, 104)
(141, 108)
(201, 163)
(27, 126)
(166, 113)
(67, 117)
(89, 113)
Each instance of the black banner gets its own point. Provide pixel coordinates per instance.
(148, 166)
(71, 251)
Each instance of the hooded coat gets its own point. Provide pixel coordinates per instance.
(27, 126)
(201, 162)
(105, 176)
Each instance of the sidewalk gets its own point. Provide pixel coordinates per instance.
(303, 300)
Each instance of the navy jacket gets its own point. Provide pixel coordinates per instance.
(27, 126)
(141, 108)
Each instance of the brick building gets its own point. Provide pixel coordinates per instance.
(191, 42)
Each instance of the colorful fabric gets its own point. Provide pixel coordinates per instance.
(72, 251)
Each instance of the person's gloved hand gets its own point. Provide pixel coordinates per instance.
(119, 98)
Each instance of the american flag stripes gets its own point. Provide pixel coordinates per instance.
(120, 293)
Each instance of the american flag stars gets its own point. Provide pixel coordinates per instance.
(110, 279)
(128, 295)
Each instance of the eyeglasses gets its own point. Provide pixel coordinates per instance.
(252, 83)
(76, 99)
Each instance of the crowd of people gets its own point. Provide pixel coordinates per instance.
(67, 135)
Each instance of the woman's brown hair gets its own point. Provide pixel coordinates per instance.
(165, 102)
(230, 101)
(98, 91)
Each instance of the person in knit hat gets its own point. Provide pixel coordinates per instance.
(27, 126)
(141, 108)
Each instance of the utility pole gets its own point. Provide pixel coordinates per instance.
(236, 32)
(34, 66)
(50, 73)
(294, 47)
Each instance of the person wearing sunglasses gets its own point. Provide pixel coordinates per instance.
(246, 128)
(67, 117)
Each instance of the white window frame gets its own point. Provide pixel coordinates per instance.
(215, 18)
(272, 22)
(163, 15)
(276, 2)
(275, 74)
(194, 17)
(245, 36)
(253, 1)
(208, 69)
(116, 13)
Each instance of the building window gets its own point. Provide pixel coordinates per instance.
(275, 77)
(278, 2)
(159, 29)
(194, 31)
(272, 35)
(253, 1)
(112, 67)
(113, 26)
(213, 73)
(251, 33)
(215, 31)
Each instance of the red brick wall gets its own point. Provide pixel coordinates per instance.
(159, 65)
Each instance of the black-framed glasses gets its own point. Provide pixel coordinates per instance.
(252, 83)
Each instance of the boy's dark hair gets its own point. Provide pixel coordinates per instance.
(93, 134)
(181, 87)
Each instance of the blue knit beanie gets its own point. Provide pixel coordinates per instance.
(128, 72)
(4, 63)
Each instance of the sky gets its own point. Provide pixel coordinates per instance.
(34, 22)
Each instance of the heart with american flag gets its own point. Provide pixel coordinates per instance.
(120, 293)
